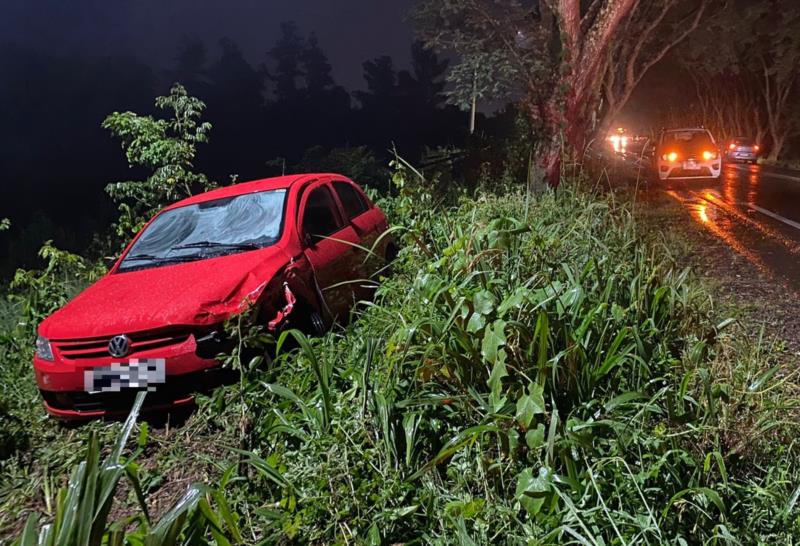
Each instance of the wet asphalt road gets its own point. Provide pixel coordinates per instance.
(755, 210)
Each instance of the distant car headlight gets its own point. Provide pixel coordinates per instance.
(43, 349)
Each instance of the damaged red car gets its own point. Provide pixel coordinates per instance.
(299, 248)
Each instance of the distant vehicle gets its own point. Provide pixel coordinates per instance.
(619, 140)
(690, 153)
(742, 149)
(290, 246)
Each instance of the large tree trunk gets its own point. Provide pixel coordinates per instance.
(778, 142)
(760, 135)
(585, 57)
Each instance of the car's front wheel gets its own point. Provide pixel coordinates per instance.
(309, 320)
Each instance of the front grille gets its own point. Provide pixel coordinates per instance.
(74, 349)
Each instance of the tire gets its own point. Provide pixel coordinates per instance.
(317, 323)
(309, 321)
(390, 256)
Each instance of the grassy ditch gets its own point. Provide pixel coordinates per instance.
(534, 371)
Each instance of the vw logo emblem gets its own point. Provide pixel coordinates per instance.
(119, 346)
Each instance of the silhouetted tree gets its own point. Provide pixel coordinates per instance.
(191, 65)
(381, 82)
(236, 81)
(235, 107)
(316, 68)
(429, 73)
(287, 53)
(403, 107)
(326, 106)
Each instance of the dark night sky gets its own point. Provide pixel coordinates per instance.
(66, 64)
(350, 31)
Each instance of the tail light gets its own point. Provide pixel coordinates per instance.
(709, 155)
(756, 147)
(672, 157)
(732, 146)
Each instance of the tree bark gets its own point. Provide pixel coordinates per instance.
(778, 142)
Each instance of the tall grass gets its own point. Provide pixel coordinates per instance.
(534, 371)
(82, 508)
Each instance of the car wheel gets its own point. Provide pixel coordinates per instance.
(389, 257)
(316, 323)
(309, 321)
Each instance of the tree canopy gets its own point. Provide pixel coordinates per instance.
(556, 57)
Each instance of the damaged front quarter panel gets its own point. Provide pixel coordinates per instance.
(238, 300)
(277, 290)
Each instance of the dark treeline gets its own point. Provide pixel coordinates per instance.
(286, 113)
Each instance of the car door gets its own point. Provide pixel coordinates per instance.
(365, 221)
(329, 244)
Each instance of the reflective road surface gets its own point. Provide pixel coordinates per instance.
(755, 210)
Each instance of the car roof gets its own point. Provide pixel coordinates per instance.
(687, 130)
(252, 186)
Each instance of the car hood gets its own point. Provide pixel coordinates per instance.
(194, 293)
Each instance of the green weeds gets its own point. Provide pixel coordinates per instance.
(81, 512)
(534, 371)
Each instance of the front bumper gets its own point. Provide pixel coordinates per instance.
(86, 410)
(687, 171)
(61, 382)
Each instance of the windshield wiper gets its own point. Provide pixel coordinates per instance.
(159, 259)
(215, 244)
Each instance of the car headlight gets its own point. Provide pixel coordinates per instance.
(43, 349)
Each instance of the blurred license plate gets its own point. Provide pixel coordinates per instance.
(138, 373)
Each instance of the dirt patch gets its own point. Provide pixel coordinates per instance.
(175, 458)
(742, 289)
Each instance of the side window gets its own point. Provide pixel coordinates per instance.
(352, 201)
(320, 219)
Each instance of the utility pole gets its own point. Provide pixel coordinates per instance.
(474, 101)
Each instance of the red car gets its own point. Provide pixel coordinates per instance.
(293, 246)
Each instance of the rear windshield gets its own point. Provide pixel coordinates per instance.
(688, 139)
(209, 229)
(743, 141)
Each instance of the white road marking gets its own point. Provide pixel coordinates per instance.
(715, 199)
(774, 215)
(766, 174)
(762, 210)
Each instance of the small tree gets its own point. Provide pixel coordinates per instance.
(167, 147)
